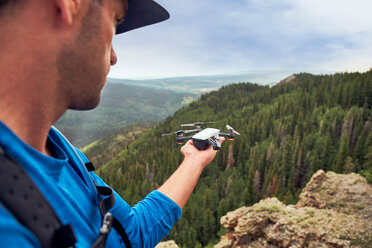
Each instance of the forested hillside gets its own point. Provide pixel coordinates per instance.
(288, 132)
(102, 151)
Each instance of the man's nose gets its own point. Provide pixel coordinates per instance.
(113, 58)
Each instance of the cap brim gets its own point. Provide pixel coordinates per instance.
(142, 13)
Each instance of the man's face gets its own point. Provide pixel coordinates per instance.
(84, 63)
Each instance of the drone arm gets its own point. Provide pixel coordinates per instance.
(225, 135)
(180, 140)
(229, 136)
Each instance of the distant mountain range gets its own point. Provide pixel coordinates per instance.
(121, 105)
(198, 84)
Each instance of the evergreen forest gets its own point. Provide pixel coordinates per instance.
(288, 132)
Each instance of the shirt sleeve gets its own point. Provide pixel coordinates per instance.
(149, 221)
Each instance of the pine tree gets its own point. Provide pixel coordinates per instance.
(257, 186)
(359, 150)
(288, 166)
(368, 157)
(342, 154)
(349, 165)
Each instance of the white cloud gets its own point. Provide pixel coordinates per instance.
(219, 36)
(333, 16)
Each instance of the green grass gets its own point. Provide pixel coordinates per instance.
(272, 208)
(362, 242)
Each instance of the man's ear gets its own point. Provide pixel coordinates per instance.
(68, 10)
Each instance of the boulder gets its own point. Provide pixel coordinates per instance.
(334, 210)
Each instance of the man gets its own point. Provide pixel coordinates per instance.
(55, 55)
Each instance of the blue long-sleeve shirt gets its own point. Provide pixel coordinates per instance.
(68, 186)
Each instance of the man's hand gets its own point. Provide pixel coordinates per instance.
(183, 181)
(196, 156)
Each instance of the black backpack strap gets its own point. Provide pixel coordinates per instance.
(89, 166)
(105, 204)
(17, 190)
(120, 229)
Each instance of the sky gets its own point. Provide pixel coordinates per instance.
(273, 37)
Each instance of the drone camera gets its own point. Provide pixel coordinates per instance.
(216, 148)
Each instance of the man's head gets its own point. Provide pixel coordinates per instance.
(71, 41)
(95, 53)
(58, 52)
(84, 62)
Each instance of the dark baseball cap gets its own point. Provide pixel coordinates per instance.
(142, 13)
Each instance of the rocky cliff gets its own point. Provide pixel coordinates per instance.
(334, 210)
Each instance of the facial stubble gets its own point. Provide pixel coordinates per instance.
(81, 63)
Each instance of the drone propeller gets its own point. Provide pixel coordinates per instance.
(232, 129)
(180, 132)
(196, 124)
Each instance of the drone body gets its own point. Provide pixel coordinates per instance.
(207, 137)
(204, 138)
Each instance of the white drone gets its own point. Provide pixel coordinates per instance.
(204, 137)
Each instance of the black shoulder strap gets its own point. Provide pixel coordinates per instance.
(17, 190)
(106, 204)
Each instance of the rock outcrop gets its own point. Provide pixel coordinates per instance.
(334, 210)
(287, 79)
(167, 244)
